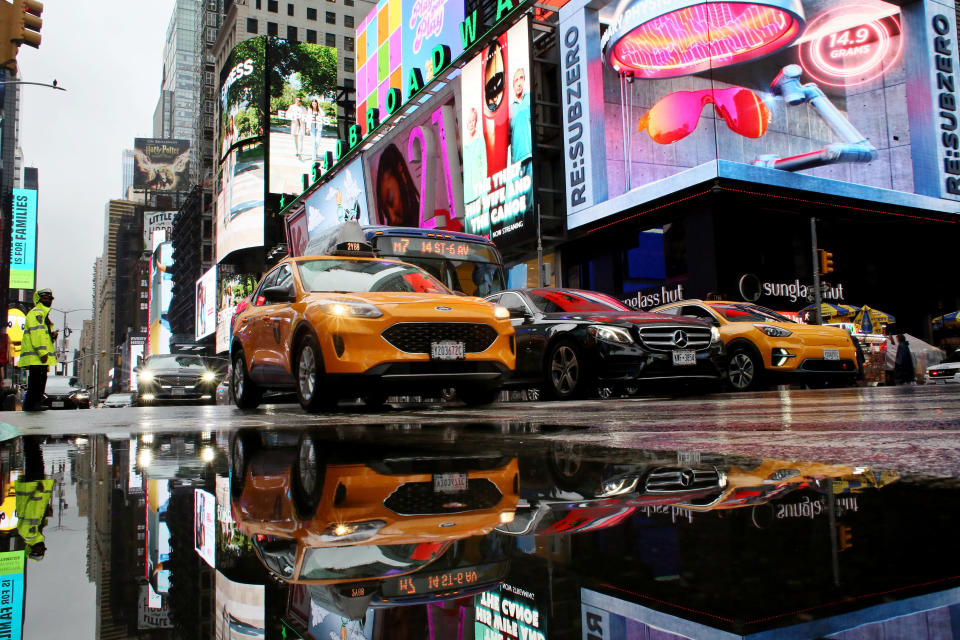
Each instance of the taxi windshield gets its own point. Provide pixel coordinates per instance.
(549, 301)
(362, 276)
(363, 562)
(748, 313)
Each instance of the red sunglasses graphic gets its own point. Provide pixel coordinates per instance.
(675, 116)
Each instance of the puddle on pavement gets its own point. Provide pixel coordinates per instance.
(500, 530)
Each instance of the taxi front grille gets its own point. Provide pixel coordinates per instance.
(419, 498)
(672, 338)
(415, 337)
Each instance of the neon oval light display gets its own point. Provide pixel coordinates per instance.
(669, 39)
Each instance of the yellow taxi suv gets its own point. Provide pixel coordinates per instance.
(343, 325)
(764, 347)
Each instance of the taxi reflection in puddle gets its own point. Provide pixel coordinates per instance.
(322, 513)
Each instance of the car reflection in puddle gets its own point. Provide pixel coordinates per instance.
(510, 530)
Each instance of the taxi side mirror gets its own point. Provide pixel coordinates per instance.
(278, 294)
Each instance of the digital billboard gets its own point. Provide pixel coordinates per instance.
(23, 239)
(415, 175)
(497, 138)
(232, 289)
(206, 304)
(803, 94)
(242, 95)
(303, 114)
(239, 609)
(396, 37)
(161, 164)
(341, 199)
(161, 293)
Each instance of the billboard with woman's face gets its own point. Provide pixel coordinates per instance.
(497, 138)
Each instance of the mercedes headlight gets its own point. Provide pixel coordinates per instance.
(500, 312)
(146, 376)
(616, 335)
(349, 309)
(773, 332)
(618, 486)
(351, 532)
(714, 335)
(208, 376)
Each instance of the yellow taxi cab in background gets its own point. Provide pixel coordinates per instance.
(765, 347)
(352, 325)
(322, 513)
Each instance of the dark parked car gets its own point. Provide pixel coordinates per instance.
(570, 341)
(175, 378)
(64, 392)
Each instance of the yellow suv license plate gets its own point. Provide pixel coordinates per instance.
(831, 354)
(447, 350)
(449, 482)
(684, 357)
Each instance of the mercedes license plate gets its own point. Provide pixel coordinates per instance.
(831, 354)
(684, 357)
(56, 403)
(449, 482)
(447, 350)
(178, 392)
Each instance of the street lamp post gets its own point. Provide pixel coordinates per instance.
(66, 333)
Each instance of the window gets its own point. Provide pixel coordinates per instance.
(268, 281)
(348, 65)
(211, 5)
(311, 13)
(208, 106)
(348, 21)
(311, 36)
(289, 9)
(273, 6)
(208, 75)
(348, 3)
(272, 28)
(211, 34)
(292, 34)
(143, 306)
(331, 17)
(348, 83)
(143, 283)
(347, 43)
(331, 40)
(694, 311)
(252, 26)
(258, 5)
(285, 277)
(518, 308)
(143, 294)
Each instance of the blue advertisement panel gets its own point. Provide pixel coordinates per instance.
(23, 239)
(801, 94)
(11, 594)
(341, 199)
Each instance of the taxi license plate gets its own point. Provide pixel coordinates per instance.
(178, 392)
(684, 357)
(449, 482)
(447, 350)
(56, 403)
(831, 354)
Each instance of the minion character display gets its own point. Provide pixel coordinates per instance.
(16, 319)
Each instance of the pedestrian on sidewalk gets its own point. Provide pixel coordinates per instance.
(37, 353)
(903, 370)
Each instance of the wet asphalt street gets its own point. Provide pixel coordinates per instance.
(914, 429)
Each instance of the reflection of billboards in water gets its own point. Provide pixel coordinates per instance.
(809, 95)
(498, 140)
(158, 535)
(239, 610)
(303, 113)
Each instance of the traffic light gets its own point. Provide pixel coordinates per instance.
(22, 26)
(826, 262)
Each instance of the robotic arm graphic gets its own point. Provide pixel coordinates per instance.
(854, 146)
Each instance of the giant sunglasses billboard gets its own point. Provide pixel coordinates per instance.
(811, 95)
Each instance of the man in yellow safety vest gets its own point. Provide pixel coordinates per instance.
(37, 353)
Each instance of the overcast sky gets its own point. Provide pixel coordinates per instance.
(108, 56)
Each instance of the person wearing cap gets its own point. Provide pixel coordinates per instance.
(33, 492)
(37, 353)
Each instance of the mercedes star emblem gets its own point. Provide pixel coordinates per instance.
(680, 338)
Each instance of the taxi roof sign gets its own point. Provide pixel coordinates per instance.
(337, 239)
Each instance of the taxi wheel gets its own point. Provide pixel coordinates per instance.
(246, 393)
(310, 390)
(245, 444)
(309, 469)
(744, 370)
(565, 372)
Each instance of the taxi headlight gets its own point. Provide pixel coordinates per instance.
(146, 376)
(349, 309)
(616, 335)
(773, 332)
(208, 376)
(500, 312)
(352, 532)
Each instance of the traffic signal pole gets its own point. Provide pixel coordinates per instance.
(817, 298)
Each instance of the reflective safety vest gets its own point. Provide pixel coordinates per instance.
(32, 500)
(37, 346)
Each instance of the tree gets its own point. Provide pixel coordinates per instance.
(314, 65)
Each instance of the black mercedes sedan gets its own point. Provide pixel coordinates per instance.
(570, 341)
(175, 378)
